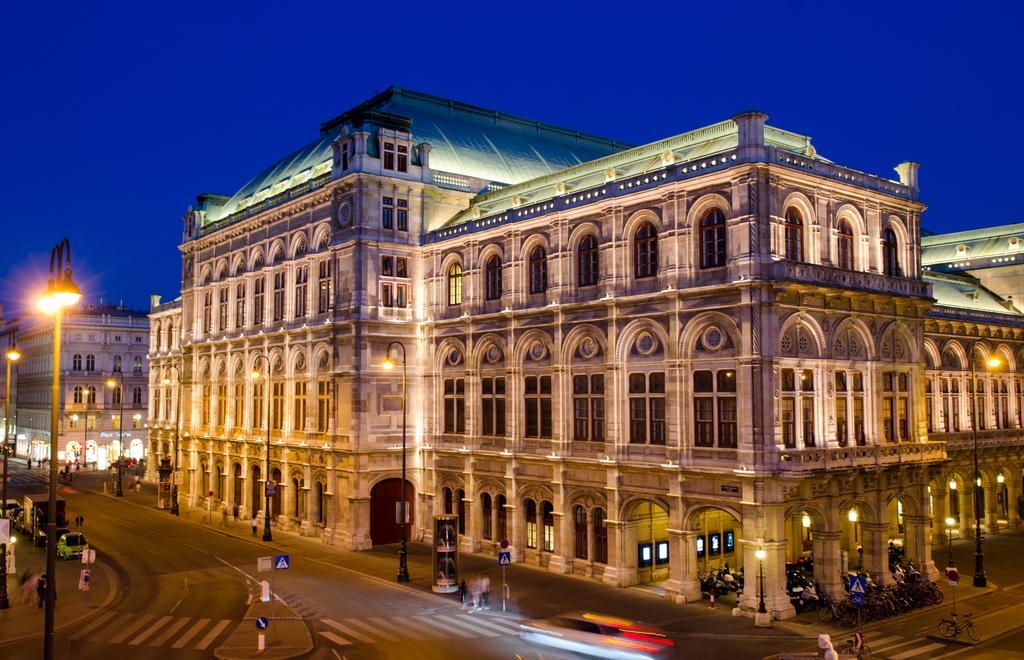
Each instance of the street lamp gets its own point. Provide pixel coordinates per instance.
(950, 521)
(760, 554)
(266, 480)
(991, 362)
(61, 292)
(403, 567)
(112, 384)
(177, 433)
(13, 354)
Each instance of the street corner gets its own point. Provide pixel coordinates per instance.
(268, 630)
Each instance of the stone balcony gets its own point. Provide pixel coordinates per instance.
(841, 458)
(819, 275)
(997, 438)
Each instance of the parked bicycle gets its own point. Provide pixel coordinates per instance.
(953, 626)
(850, 651)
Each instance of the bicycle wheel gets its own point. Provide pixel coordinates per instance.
(825, 614)
(937, 595)
(947, 628)
(972, 632)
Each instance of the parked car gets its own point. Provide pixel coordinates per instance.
(41, 534)
(12, 509)
(71, 544)
(599, 636)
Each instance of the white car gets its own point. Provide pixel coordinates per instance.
(599, 636)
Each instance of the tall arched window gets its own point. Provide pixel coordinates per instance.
(587, 261)
(502, 530)
(492, 274)
(485, 511)
(844, 246)
(712, 239)
(137, 365)
(90, 395)
(579, 518)
(890, 254)
(77, 394)
(645, 251)
(117, 363)
(599, 518)
(319, 503)
(455, 285)
(76, 362)
(90, 362)
(449, 501)
(548, 511)
(116, 395)
(538, 270)
(460, 496)
(137, 396)
(794, 235)
(530, 518)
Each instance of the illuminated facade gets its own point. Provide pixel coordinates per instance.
(635, 363)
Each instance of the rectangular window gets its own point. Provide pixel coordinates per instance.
(588, 407)
(842, 432)
(239, 306)
(401, 297)
(207, 311)
(222, 404)
(279, 296)
(386, 295)
(493, 407)
(858, 421)
(401, 267)
(299, 406)
(301, 284)
(454, 405)
(257, 406)
(403, 159)
(277, 406)
(388, 154)
(258, 286)
(387, 266)
(324, 287)
(239, 420)
(727, 422)
(888, 423)
(647, 408)
(538, 406)
(90, 421)
(115, 422)
(204, 411)
(387, 214)
(402, 213)
(323, 406)
(901, 410)
(704, 421)
(788, 417)
(222, 310)
(807, 417)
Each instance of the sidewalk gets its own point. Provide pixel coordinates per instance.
(287, 635)
(24, 621)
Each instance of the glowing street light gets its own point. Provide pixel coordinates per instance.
(991, 362)
(761, 554)
(12, 356)
(403, 566)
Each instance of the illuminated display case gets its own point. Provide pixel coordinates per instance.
(446, 554)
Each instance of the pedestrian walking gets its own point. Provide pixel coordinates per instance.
(234, 513)
(474, 593)
(462, 593)
(255, 524)
(41, 590)
(485, 592)
(224, 516)
(30, 464)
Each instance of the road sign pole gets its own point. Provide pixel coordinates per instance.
(503, 587)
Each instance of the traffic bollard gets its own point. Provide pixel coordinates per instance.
(712, 599)
(261, 644)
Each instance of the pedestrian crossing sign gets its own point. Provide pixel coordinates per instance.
(857, 584)
(504, 558)
(281, 562)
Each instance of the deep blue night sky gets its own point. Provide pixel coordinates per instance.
(115, 118)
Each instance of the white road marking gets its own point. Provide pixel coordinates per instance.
(348, 631)
(463, 623)
(96, 623)
(918, 651)
(212, 635)
(149, 631)
(337, 639)
(192, 632)
(121, 621)
(489, 623)
(394, 627)
(173, 628)
(507, 624)
(371, 630)
(447, 629)
(123, 635)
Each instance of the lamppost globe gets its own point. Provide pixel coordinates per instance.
(994, 362)
(950, 521)
(760, 554)
(13, 354)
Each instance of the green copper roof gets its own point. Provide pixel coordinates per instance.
(976, 248)
(464, 139)
(965, 293)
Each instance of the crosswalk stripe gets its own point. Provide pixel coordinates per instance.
(115, 624)
(467, 625)
(212, 635)
(348, 631)
(508, 624)
(149, 631)
(337, 639)
(96, 623)
(481, 621)
(447, 629)
(884, 642)
(166, 634)
(371, 630)
(918, 651)
(192, 632)
(123, 635)
(890, 646)
(404, 631)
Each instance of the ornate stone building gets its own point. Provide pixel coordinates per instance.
(635, 363)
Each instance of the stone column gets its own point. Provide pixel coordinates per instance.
(616, 571)
(967, 512)
(876, 554)
(940, 502)
(514, 523)
(559, 561)
(683, 565)
(918, 544)
(826, 561)
(775, 597)
(991, 519)
(359, 523)
(1013, 491)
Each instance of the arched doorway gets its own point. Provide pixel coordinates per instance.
(319, 503)
(90, 451)
(298, 498)
(73, 451)
(137, 449)
(275, 501)
(716, 542)
(236, 487)
(218, 483)
(384, 497)
(1002, 500)
(256, 503)
(647, 542)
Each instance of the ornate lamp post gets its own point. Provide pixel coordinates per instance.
(112, 384)
(61, 292)
(266, 479)
(13, 354)
(177, 432)
(760, 554)
(950, 521)
(403, 567)
(980, 579)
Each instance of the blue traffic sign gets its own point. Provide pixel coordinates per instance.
(858, 589)
(262, 623)
(282, 562)
(504, 558)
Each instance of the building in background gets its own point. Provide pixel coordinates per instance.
(98, 341)
(635, 363)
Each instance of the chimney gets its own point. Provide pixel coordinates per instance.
(750, 134)
(908, 173)
(154, 301)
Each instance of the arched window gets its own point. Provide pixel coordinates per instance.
(530, 518)
(844, 246)
(77, 394)
(76, 362)
(549, 525)
(137, 396)
(116, 395)
(890, 254)
(587, 261)
(137, 365)
(538, 270)
(319, 490)
(712, 239)
(455, 285)
(600, 536)
(90, 395)
(645, 251)
(485, 511)
(90, 362)
(502, 530)
(579, 518)
(492, 274)
(460, 496)
(117, 363)
(794, 235)
(448, 501)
